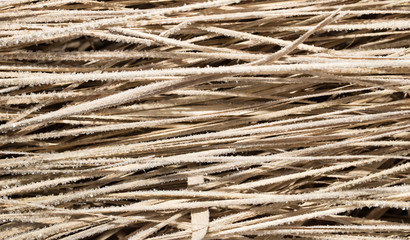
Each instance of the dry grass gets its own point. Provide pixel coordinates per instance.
(130, 119)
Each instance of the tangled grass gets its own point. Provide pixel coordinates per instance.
(228, 119)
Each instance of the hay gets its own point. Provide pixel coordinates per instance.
(228, 119)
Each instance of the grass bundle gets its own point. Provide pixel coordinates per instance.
(223, 119)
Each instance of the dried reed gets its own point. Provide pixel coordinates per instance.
(223, 119)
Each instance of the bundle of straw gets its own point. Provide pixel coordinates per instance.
(223, 119)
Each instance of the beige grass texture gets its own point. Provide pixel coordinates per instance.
(224, 119)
